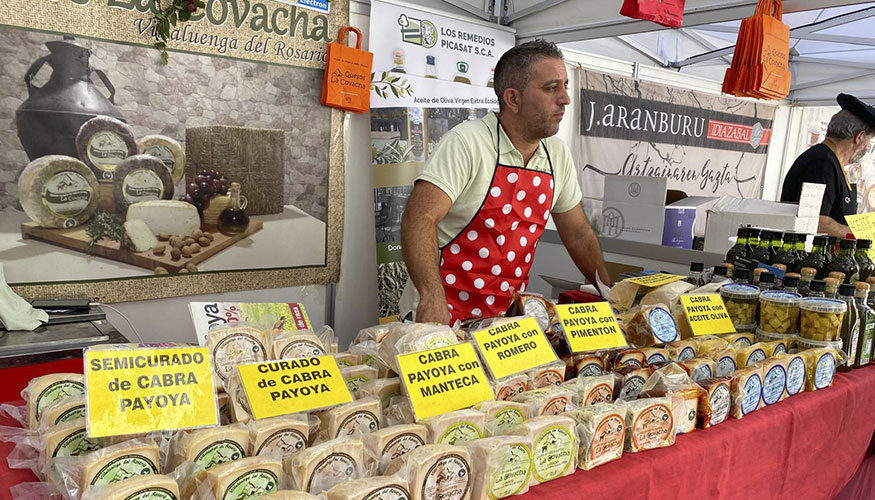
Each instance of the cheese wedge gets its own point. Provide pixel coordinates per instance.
(747, 356)
(279, 436)
(321, 467)
(594, 390)
(42, 392)
(119, 462)
(361, 416)
(601, 432)
(654, 355)
(649, 424)
(747, 391)
(634, 358)
(67, 440)
(774, 372)
(288, 495)
(551, 400)
(739, 339)
(714, 404)
(392, 442)
(707, 346)
(502, 466)
(356, 376)
(246, 478)
(820, 364)
(774, 347)
(633, 379)
(700, 368)
(236, 345)
(347, 359)
(382, 388)
(796, 373)
(213, 445)
(682, 350)
(455, 427)
(65, 410)
(506, 388)
(652, 325)
(588, 365)
(371, 488)
(725, 362)
(547, 375)
(502, 415)
(436, 471)
(553, 441)
(150, 487)
(294, 345)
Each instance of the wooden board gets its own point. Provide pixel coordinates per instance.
(77, 239)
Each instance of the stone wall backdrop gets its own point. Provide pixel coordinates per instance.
(191, 91)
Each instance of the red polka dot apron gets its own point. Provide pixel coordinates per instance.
(492, 255)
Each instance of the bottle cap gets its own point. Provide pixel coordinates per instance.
(821, 240)
(871, 280)
(832, 282)
(817, 285)
(864, 244)
(429, 60)
(808, 271)
(759, 271)
(767, 278)
(742, 232)
(861, 285)
(847, 243)
(782, 267)
(791, 281)
(720, 270)
(837, 275)
(742, 275)
(847, 290)
(697, 267)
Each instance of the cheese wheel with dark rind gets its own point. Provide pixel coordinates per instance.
(141, 178)
(58, 191)
(170, 152)
(103, 142)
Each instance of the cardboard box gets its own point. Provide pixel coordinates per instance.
(730, 212)
(634, 208)
(685, 219)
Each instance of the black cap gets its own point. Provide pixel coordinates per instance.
(817, 285)
(832, 239)
(847, 289)
(789, 281)
(821, 240)
(767, 278)
(720, 270)
(697, 267)
(847, 243)
(742, 275)
(858, 108)
(864, 244)
(778, 235)
(742, 232)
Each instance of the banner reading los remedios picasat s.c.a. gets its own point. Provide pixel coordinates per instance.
(703, 144)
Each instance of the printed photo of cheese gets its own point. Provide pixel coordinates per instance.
(168, 151)
(58, 191)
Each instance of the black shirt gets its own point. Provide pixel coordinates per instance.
(820, 165)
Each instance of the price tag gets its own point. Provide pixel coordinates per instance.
(514, 347)
(654, 280)
(863, 227)
(133, 391)
(293, 385)
(706, 314)
(590, 327)
(444, 379)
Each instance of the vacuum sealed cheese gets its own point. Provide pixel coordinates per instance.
(588, 364)
(667, 294)
(682, 350)
(672, 381)
(119, 462)
(400, 411)
(700, 368)
(347, 359)
(374, 333)
(724, 362)
(623, 294)
(796, 373)
(136, 488)
(42, 392)
(395, 441)
(236, 345)
(508, 387)
(707, 346)
(774, 347)
(747, 391)
(280, 436)
(356, 376)
(500, 416)
(628, 358)
(247, 478)
(321, 467)
(414, 337)
(820, 367)
(67, 439)
(747, 356)
(371, 488)
(715, 403)
(63, 410)
(649, 424)
(594, 390)
(297, 344)
(551, 400)
(436, 472)
(633, 379)
(601, 431)
(361, 416)
(211, 446)
(653, 355)
(383, 389)
(502, 466)
(774, 372)
(455, 427)
(651, 325)
(553, 441)
(547, 375)
(739, 339)
(288, 495)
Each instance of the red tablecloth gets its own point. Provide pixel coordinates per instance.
(805, 447)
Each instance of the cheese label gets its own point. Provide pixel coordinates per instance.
(362, 421)
(391, 492)
(506, 418)
(331, 470)
(142, 184)
(753, 390)
(556, 406)
(301, 348)
(252, 484)
(651, 427)
(725, 366)
(592, 369)
(701, 372)
(219, 452)
(67, 193)
(355, 381)
(824, 371)
(706, 314)
(687, 353)
(795, 376)
(57, 391)
(401, 445)
(590, 327)
(743, 341)
(631, 388)
(654, 280)
(602, 393)
(607, 438)
(514, 347)
(71, 414)
(547, 378)
(553, 453)
(106, 150)
(447, 479)
(459, 433)
(662, 324)
(290, 386)
(444, 379)
(133, 391)
(163, 153)
(721, 402)
(512, 472)
(508, 391)
(152, 494)
(75, 444)
(780, 349)
(285, 442)
(656, 358)
(756, 355)
(124, 467)
(235, 349)
(774, 383)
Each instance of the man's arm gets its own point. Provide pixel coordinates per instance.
(426, 206)
(580, 240)
(830, 226)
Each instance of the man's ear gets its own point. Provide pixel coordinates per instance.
(512, 100)
(861, 137)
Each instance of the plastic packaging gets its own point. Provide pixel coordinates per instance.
(588, 364)
(779, 311)
(594, 390)
(325, 465)
(547, 375)
(374, 334)
(377, 487)
(551, 400)
(652, 325)
(725, 360)
(46, 390)
(280, 436)
(236, 344)
(299, 344)
(740, 339)
(356, 417)
(785, 341)
(356, 376)
(683, 349)
(554, 444)
(413, 337)
(741, 302)
(385, 445)
(649, 424)
(455, 427)
(601, 431)
(501, 416)
(774, 372)
(746, 388)
(244, 478)
(631, 381)
(502, 466)
(508, 387)
(821, 363)
(399, 412)
(714, 405)
(796, 373)
(673, 382)
(623, 294)
(210, 446)
(150, 486)
(821, 319)
(383, 388)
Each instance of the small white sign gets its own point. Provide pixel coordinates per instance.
(810, 199)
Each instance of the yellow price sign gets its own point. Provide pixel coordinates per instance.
(293, 385)
(654, 280)
(863, 227)
(590, 327)
(706, 314)
(513, 347)
(133, 391)
(443, 379)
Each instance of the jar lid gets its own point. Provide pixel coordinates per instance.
(739, 291)
(783, 298)
(751, 328)
(803, 343)
(824, 305)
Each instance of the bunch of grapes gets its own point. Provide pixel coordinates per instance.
(206, 185)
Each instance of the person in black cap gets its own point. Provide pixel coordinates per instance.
(847, 138)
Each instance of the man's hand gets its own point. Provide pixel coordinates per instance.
(582, 244)
(433, 310)
(830, 226)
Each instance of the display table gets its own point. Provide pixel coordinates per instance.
(806, 447)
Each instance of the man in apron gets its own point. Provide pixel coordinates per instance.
(847, 140)
(473, 221)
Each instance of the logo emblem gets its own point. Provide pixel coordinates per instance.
(417, 31)
(756, 135)
(634, 189)
(612, 223)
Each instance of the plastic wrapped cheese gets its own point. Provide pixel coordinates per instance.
(236, 345)
(672, 381)
(405, 338)
(547, 375)
(42, 392)
(508, 387)
(651, 325)
(655, 355)
(747, 391)
(371, 488)
(551, 400)
(361, 416)
(500, 416)
(820, 366)
(796, 373)
(622, 295)
(633, 379)
(747, 356)
(649, 424)
(64, 410)
(211, 446)
(682, 350)
(588, 365)
(119, 462)
(740, 339)
(629, 358)
(399, 411)
(325, 465)
(356, 376)
(436, 472)
(707, 346)
(382, 388)
(299, 344)
(774, 372)
(246, 478)
(553, 441)
(151, 487)
(502, 466)
(593, 390)
(667, 294)
(715, 403)
(279, 436)
(725, 362)
(374, 333)
(347, 359)
(601, 431)
(700, 368)
(67, 440)
(455, 427)
(392, 442)
(288, 495)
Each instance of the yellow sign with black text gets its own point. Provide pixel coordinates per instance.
(444, 379)
(133, 391)
(590, 326)
(654, 280)
(863, 227)
(513, 347)
(293, 385)
(706, 314)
